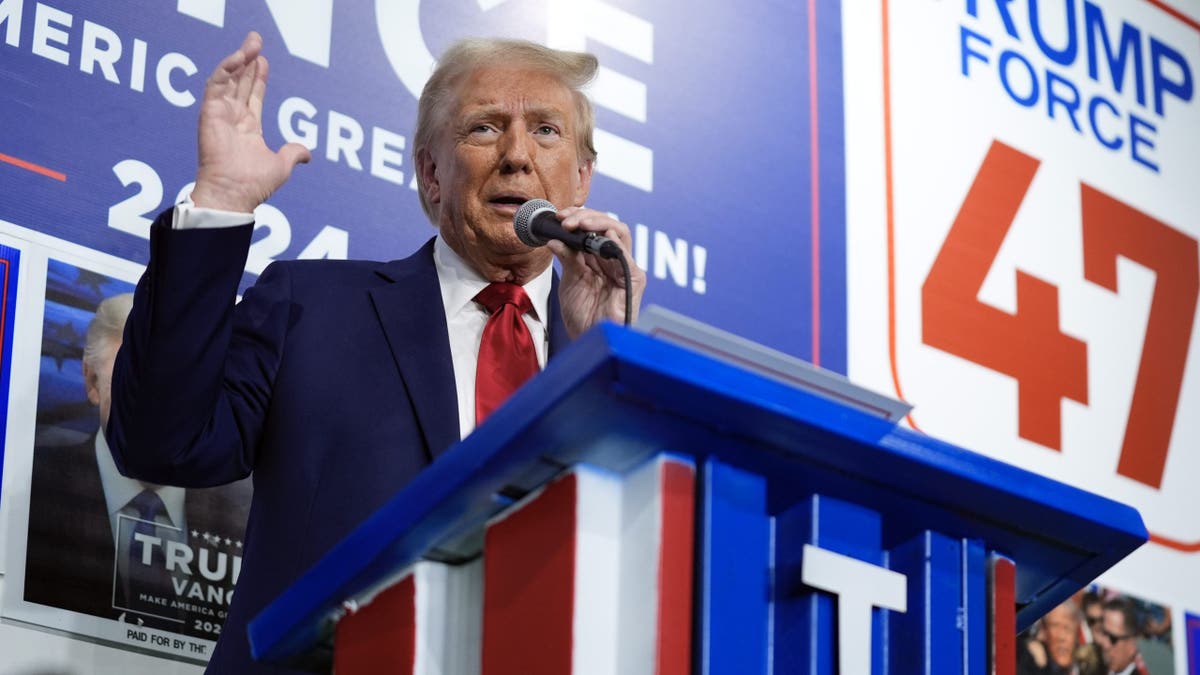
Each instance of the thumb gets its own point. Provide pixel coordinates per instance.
(562, 252)
(293, 154)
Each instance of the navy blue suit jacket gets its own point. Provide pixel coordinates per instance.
(331, 382)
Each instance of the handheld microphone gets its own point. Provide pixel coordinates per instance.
(536, 224)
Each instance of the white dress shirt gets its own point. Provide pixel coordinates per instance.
(465, 320)
(459, 284)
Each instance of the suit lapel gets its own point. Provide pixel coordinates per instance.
(558, 330)
(92, 506)
(411, 314)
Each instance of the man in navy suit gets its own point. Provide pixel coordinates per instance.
(335, 382)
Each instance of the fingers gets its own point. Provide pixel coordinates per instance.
(593, 288)
(235, 76)
(594, 273)
(231, 66)
(244, 81)
(252, 45)
(589, 220)
(258, 88)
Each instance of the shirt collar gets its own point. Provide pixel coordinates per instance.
(119, 490)
(460, 283)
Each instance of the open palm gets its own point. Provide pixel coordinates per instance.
(237, 171)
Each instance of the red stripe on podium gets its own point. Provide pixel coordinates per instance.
(380, 637)
(1004, 616)
(675, 569)
(529, 586)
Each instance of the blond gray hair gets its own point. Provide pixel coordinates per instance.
(574, 69)
(106, 327)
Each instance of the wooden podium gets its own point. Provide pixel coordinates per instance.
(642, 508)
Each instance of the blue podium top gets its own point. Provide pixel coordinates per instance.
(616, 396)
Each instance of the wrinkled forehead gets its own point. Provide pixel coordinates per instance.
(512, 88)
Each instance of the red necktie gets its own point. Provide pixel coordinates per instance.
(506, 354)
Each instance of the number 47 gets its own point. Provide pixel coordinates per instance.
(1028, 345)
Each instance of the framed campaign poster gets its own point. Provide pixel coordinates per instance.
(92, 552)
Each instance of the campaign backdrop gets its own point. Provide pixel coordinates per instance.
(719, 131)
(709, 123)
(984, 207)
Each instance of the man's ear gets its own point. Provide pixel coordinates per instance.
(91, 382)
(585, 182)
(427, 175)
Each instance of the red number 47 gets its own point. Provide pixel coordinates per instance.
(1047, 364)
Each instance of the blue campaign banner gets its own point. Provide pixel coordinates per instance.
(719, 127)
(10, 260)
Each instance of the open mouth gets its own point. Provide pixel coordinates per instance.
(508, 202)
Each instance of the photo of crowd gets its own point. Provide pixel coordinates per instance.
(1099, 631)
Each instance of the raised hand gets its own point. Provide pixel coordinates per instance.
(593, 288)
(237, 171)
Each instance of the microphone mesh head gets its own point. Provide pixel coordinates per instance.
(523, 221)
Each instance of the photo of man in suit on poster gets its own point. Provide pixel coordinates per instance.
(100, 543)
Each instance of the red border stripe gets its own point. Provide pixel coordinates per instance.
(30, 166)
(889, 205)
(814, 141)
(1184, 546)
(1176, 13)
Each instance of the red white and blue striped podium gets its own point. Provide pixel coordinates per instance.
(639, 508)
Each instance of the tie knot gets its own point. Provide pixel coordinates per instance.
(148, 505)
(502, 293)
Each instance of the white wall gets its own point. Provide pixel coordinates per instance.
(32, 651)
